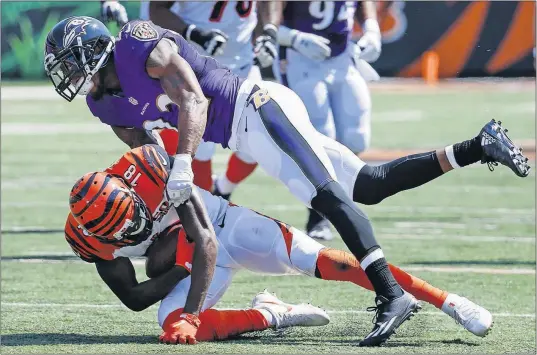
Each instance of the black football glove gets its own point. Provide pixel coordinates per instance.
(114, 11)
(265, 49)
(213, 41)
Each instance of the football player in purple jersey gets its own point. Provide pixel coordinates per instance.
(150, 77)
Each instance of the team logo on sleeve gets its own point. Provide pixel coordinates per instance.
(144, 31)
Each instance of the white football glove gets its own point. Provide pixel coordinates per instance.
(265, 47)
(180, 182)
(213, 41)
(114, 11)
(364, 68)
(312, 46)
(370, 43)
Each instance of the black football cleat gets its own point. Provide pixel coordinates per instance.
(217, 192)
(498, 148)
(389, 316)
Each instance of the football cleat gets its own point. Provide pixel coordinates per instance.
(474, 318)
(498, 148)
(288, 315)
(217, 192)
(318, 227)
(389, 316)
(321, 231)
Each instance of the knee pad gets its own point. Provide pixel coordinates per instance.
(329, 198)
(351, 223)
(369, 188)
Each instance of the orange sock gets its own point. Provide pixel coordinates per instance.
(219, 325)
(419, 288)
(238, 170)
(203, 174)
(339, 265)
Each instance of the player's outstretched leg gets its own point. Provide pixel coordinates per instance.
(492, 146)
(338, 265)
(276, 132)
(267, 312)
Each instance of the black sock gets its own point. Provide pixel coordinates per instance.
(468, 152)
(382, 279)
(375, 183)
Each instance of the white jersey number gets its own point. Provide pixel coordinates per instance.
(324, 11)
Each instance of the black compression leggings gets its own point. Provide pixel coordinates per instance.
(375, 183)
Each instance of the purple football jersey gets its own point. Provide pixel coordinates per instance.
(144, 104)
(329, 19)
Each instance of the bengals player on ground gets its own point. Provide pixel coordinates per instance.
(140, 215)
(121, 213)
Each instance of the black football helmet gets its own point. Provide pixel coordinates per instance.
(75, 49)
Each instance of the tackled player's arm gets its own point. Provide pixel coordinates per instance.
(161, 14)
(120, 276)
(135, 137)
(199, 229)
(182, 87)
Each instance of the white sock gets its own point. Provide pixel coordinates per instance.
(371, 258)
(224, 185)
(452, 300)
(268, 316)
(451, 157)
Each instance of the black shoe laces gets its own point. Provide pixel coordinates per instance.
(377, 309)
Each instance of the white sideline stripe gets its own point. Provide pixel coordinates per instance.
(40, 92)
(397, 115)
(465, 238)
(121, 306)
(297, 207)
(388, 234)
(471, 270)
(442, 269)
(39, 129)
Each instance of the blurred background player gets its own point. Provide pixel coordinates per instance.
(320, 64)
(221, 29)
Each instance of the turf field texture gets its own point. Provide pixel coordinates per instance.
(471, 232)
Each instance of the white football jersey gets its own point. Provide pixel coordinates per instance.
(237, 19)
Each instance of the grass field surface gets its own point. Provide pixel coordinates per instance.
(471, 232)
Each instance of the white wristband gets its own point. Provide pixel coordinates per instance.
(182, 159)
(270, 26)
(286, 36)
(189, 31)
(371, 25)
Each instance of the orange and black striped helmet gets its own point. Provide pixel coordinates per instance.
(109, 209)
